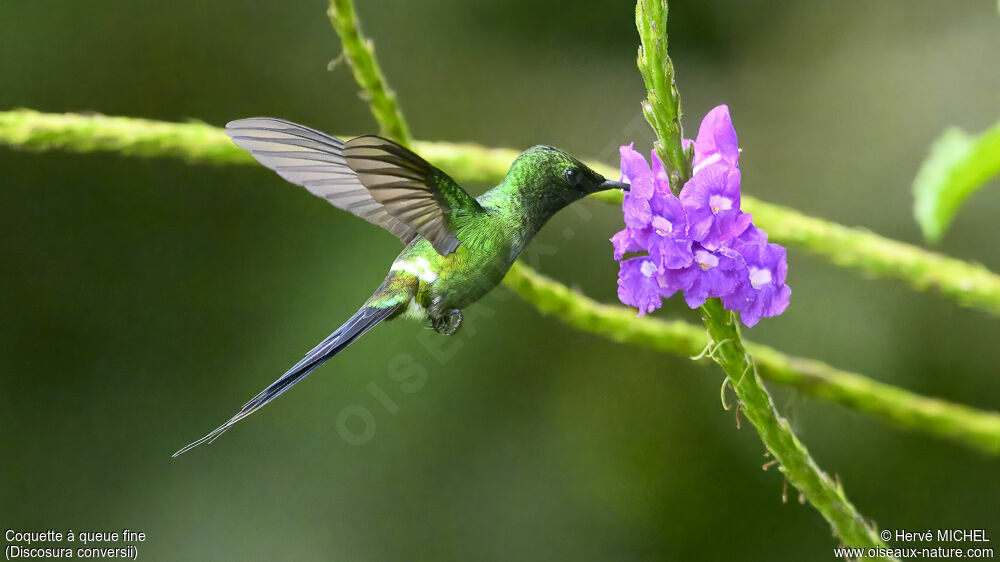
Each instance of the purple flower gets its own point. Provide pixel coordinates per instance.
(669, 243)
(713, 274)
(701, 243)
(660, 173)
(670, 251)
(716, 140)
(638, 285)
(711, 200)
(655, 219)
(636, 173)
(629, 240)
(762, 293)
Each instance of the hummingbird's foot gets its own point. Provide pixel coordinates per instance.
(448, 323)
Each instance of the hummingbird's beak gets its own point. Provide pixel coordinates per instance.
(608, 184)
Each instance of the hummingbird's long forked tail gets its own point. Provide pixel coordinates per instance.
(363, 320)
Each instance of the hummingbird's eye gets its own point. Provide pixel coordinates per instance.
(573, 176)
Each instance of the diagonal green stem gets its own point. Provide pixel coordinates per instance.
(360, 54)
(30, 130)
(800, 469)
(970, 284)
(723, 333)
(957, 423)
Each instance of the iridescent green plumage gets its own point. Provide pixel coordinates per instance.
(458, 248)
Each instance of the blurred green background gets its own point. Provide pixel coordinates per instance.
(144, 300)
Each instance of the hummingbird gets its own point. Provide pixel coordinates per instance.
(458, 247)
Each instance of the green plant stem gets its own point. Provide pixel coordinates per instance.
(969, 284)
(662, 106)
(793, 458)
(199, 143)
(725, 342)
(26, 129)
(954, 422)
(360, 54)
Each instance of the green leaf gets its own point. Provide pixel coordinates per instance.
(958, 165)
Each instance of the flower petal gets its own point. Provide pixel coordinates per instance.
(670, 253)
(636, 172)
(629, 240)
(638, 285)
(660, 176)
(716, 139)
(638, 213)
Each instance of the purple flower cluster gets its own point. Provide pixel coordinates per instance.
(700, 243)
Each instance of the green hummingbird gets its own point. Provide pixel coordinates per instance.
(458, 247)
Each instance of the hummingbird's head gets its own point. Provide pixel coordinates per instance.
(552, 178)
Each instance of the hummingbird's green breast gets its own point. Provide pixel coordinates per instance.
(465, 275)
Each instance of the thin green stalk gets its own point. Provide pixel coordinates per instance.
(793, 458)
(969, 284)
(957, 423)
(725, 342)
(662, 106)
(360, 54)
(26, 129)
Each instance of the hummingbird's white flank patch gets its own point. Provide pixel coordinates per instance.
(414, 311)
(419, 267)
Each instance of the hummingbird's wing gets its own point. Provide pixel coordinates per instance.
(409, 188)
(371, 177)
(315, 161)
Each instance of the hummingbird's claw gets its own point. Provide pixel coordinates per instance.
(448, 323)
